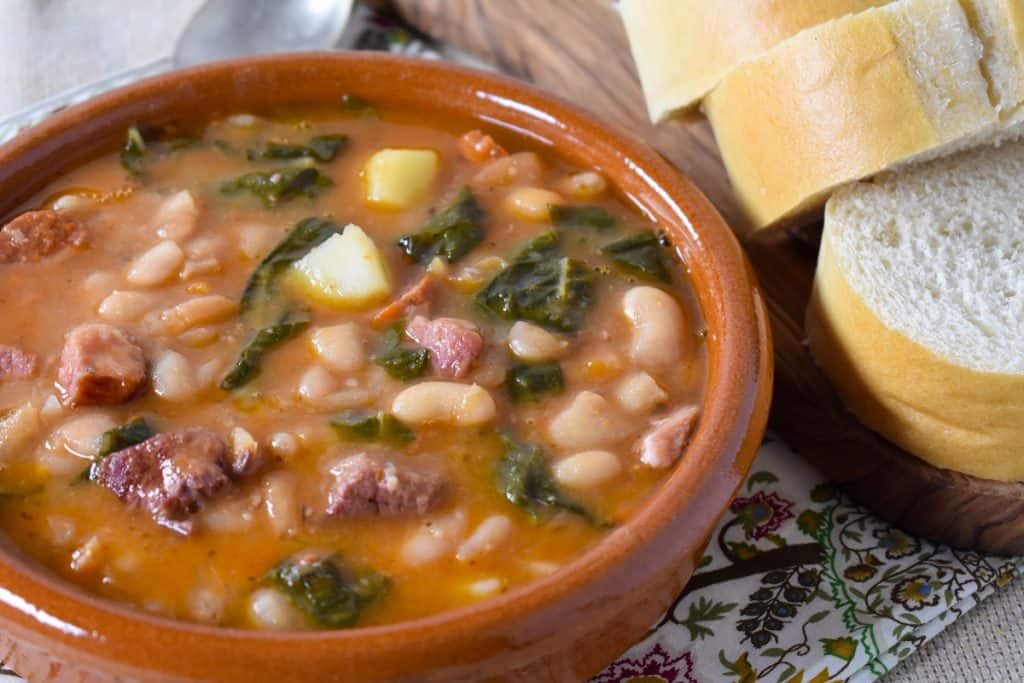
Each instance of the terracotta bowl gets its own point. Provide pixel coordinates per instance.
(562, 628)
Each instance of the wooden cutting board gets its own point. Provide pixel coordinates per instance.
(578, 49)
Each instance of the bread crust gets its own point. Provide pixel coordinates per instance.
(683, 48)
(837, 103)
(947, 415)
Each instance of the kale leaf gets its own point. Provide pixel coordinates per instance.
(357, 105)
(117, 439)
(250, 358)
(450, 234)
(301, 239)
(642, 255)
(541, 286)
(531, 382)
(358, 425)
(326, 590)
(133, 152)
(577, 217)
(524, 478)
(279, 185)
(321, 148)
(401, 363)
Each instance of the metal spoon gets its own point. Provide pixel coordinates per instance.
(233, 28)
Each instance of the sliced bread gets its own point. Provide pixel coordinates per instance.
(683, 48)
(868, 92)
(917, 315)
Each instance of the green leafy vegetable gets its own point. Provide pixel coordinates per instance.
(357, 105)
(642, 254)
(133, 153)
(541, 286)
(450, 234)
(300, 240)
(247, 367)
(524, 478)
(577, 217)
(326, 590)
(358, 425)
(279, 185)
(117, 439)
(400, 363)
(322, 148)
(531, 382)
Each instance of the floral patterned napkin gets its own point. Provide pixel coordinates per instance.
(798, 585)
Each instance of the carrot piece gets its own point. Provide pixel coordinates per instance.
(477, 146)
(416, 294)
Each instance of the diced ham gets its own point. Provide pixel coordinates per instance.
(169, 475)
(453, 343)
(364, 486)
(414, 296)
(667, 438)
(99, 365)
(16, 364)
(34, 235)
(477, 146)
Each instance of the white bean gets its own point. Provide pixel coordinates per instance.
(284, 445)
(156, 266)
(123, 306)
(534, 344)
(316, 384)
(340, 347)
(73, 203)
(230, 515)
(62, 530)
(451, 402)
(487, 537)
(201, 310)
(658, 323)
(271, 609)
(198, 267)
(531, 203)
(100, 284)
(177, 217)
(587, 470)
(88, 556)
(588, 422)
(206, 603)
(81, 435)
(638, 393)
(52, 407)
(485, 587)
(255, 240)
(585, 184)
(519, 168)
(280, 497)
(173, 377)
(17, 426)
(434, 539)
(199, 337)
(210, 246)
(209, 373)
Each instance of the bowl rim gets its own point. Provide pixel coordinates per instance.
(742, 359)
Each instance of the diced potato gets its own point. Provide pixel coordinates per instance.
(346, 271)
(399, 178)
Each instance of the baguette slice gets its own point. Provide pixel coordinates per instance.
(917, 315)
(683, 48)
(865, 93)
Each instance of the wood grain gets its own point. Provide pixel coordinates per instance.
(578, 50)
